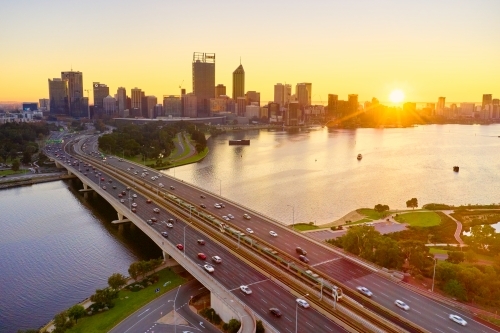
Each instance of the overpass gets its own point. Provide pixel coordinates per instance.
(325, 262)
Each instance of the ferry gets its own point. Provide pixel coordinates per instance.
(360, 157)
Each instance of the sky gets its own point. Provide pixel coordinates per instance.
(425, 48)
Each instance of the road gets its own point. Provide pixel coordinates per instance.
(231, 273)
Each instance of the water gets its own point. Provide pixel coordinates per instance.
(56, 248)
(315, 176)
(495, 226)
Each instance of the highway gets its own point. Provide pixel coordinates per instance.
(231, 273)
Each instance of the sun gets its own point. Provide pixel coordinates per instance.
(397, 96)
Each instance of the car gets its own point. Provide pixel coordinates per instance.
(275, 312)
(457, 319)
(114, 186)
(202, 256)
(128, 188)
(134, 195)
(202, 196)
(180, 247)
(302, 302)
(209, 268)
(300, 250)
(217, 259)
(169, 225)
(110, 181)
(217, 206)
(221, 205)
(148, 201)
(203, 206)
(172, 188)
(102, 179)
(134, 210)
(246, 216)
(104, 187)
(171, 220)
(250, 231)
(149, 222)
(230, 216)
(201, 241)
(246, 290)
(134, 205)
(402, 305)
(122, 200)
(154, 219)
(123, 192)
(161, 185)
(156, 210)
(272, 233)
(303, 258)
(365, 291)
(224, 217)
(128, 169)
(120, 195)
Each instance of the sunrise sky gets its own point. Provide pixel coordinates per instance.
(425, 48)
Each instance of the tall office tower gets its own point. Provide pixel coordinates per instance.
(220, 90)
(151, 102)
(172, 106)
(273, 110)
(238, 82)
(58, 96)
(309, 93)
(136, 98)
(302, 95)
(44, 104)
(253, 97)
(487, 99)
(108, 105)
(203, 80)
(158, 110)
(101, 91)
(352, 99)
(440, 106)
(292, 115)
(121, 97)
(75, 93)
(496, 108)
(241, 103)
(279, 94)
(189, 105)
(467, 109)
(332, 105)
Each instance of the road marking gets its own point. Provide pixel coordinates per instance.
(384, 294)
(437, 329)
(451, 329)
(414, 298)
(376, 284)
(324, 262)
(288, 319)
(263, 300)
(140, 314)
(276, 292)
(417, 311)
(289, 330)
(328, 328)
(440, 316)
(309, 324)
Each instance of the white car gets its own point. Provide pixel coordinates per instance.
(217, 206)
(209, 268)
(156, 210)
(224, 217)
(272, 233)
(161, 185)
(303, 303)
(402, 305)
(458, 320)
(217, 259)
(246, 216)
(134, 205)
(169, 225)
(250, 231)
(122, 200)
(134, 195)
(246, 290)
(365, 291)
(230, 216)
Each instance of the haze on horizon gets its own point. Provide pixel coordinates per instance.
(426, 49)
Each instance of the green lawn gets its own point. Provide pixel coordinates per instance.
(304, 227)
(372, 213)
(360, 221)
(10, 172)
(127, 303)
(419, 219)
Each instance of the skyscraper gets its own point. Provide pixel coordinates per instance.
(203, 80)
(151, 102)
(108, 105)
(332, 105)
(172, 106)
(279, 94)
(75, 93)
(487, 99)
(352, 101)
(58, 96)
(135, 95)
(121, 96)
(220, 90)
(44, 104)
(302, 94)
(238, 82)
(253, 97)
(440, 106)
(101, 91)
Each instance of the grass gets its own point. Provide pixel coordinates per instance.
(192, 159)
(304, 227)
(10, 172)
(360, 221)
(419, 219)
(127, 303)
(372, 213)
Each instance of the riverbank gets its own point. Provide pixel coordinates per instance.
(31, 179)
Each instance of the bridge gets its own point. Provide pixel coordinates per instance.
(268, 264)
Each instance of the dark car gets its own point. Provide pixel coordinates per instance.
(275, 312)
(303, 258)
(201, 242)
(202, 196)
(164, 234)
(203, 206)
(300, 250)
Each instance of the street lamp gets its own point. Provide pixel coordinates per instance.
(297, 314)
(175, 324)
(185, 240)
(293, 215)
(433, 274)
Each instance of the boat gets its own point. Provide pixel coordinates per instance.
(359, 156)
(456, 168)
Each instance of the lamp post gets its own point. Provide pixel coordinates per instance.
(433, 274)
(293, 215)
(185, 241)
(297, 314)
(175, 324)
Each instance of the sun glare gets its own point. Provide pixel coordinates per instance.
(397, 96)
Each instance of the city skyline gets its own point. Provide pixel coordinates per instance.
(341, 48)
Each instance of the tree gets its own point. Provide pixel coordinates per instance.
(455, 257)
(61, 322)
(471, 256)
(381, 208)
(259, 327)
(360, 240)
(116, 281)
(133, 270)
(26, 157)
(455, 289)
(481, 237)
(387, 253)
(76, 312)
(412, 203)
(28, 331)
(104, 296)
(233, 326)
(15, 165)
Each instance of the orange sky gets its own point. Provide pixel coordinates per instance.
(425, 48)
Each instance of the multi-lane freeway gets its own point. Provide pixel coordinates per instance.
(425, 312)
(230, 273)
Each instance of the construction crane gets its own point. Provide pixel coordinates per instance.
(180, 85)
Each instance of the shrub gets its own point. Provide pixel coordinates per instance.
(259, 327)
